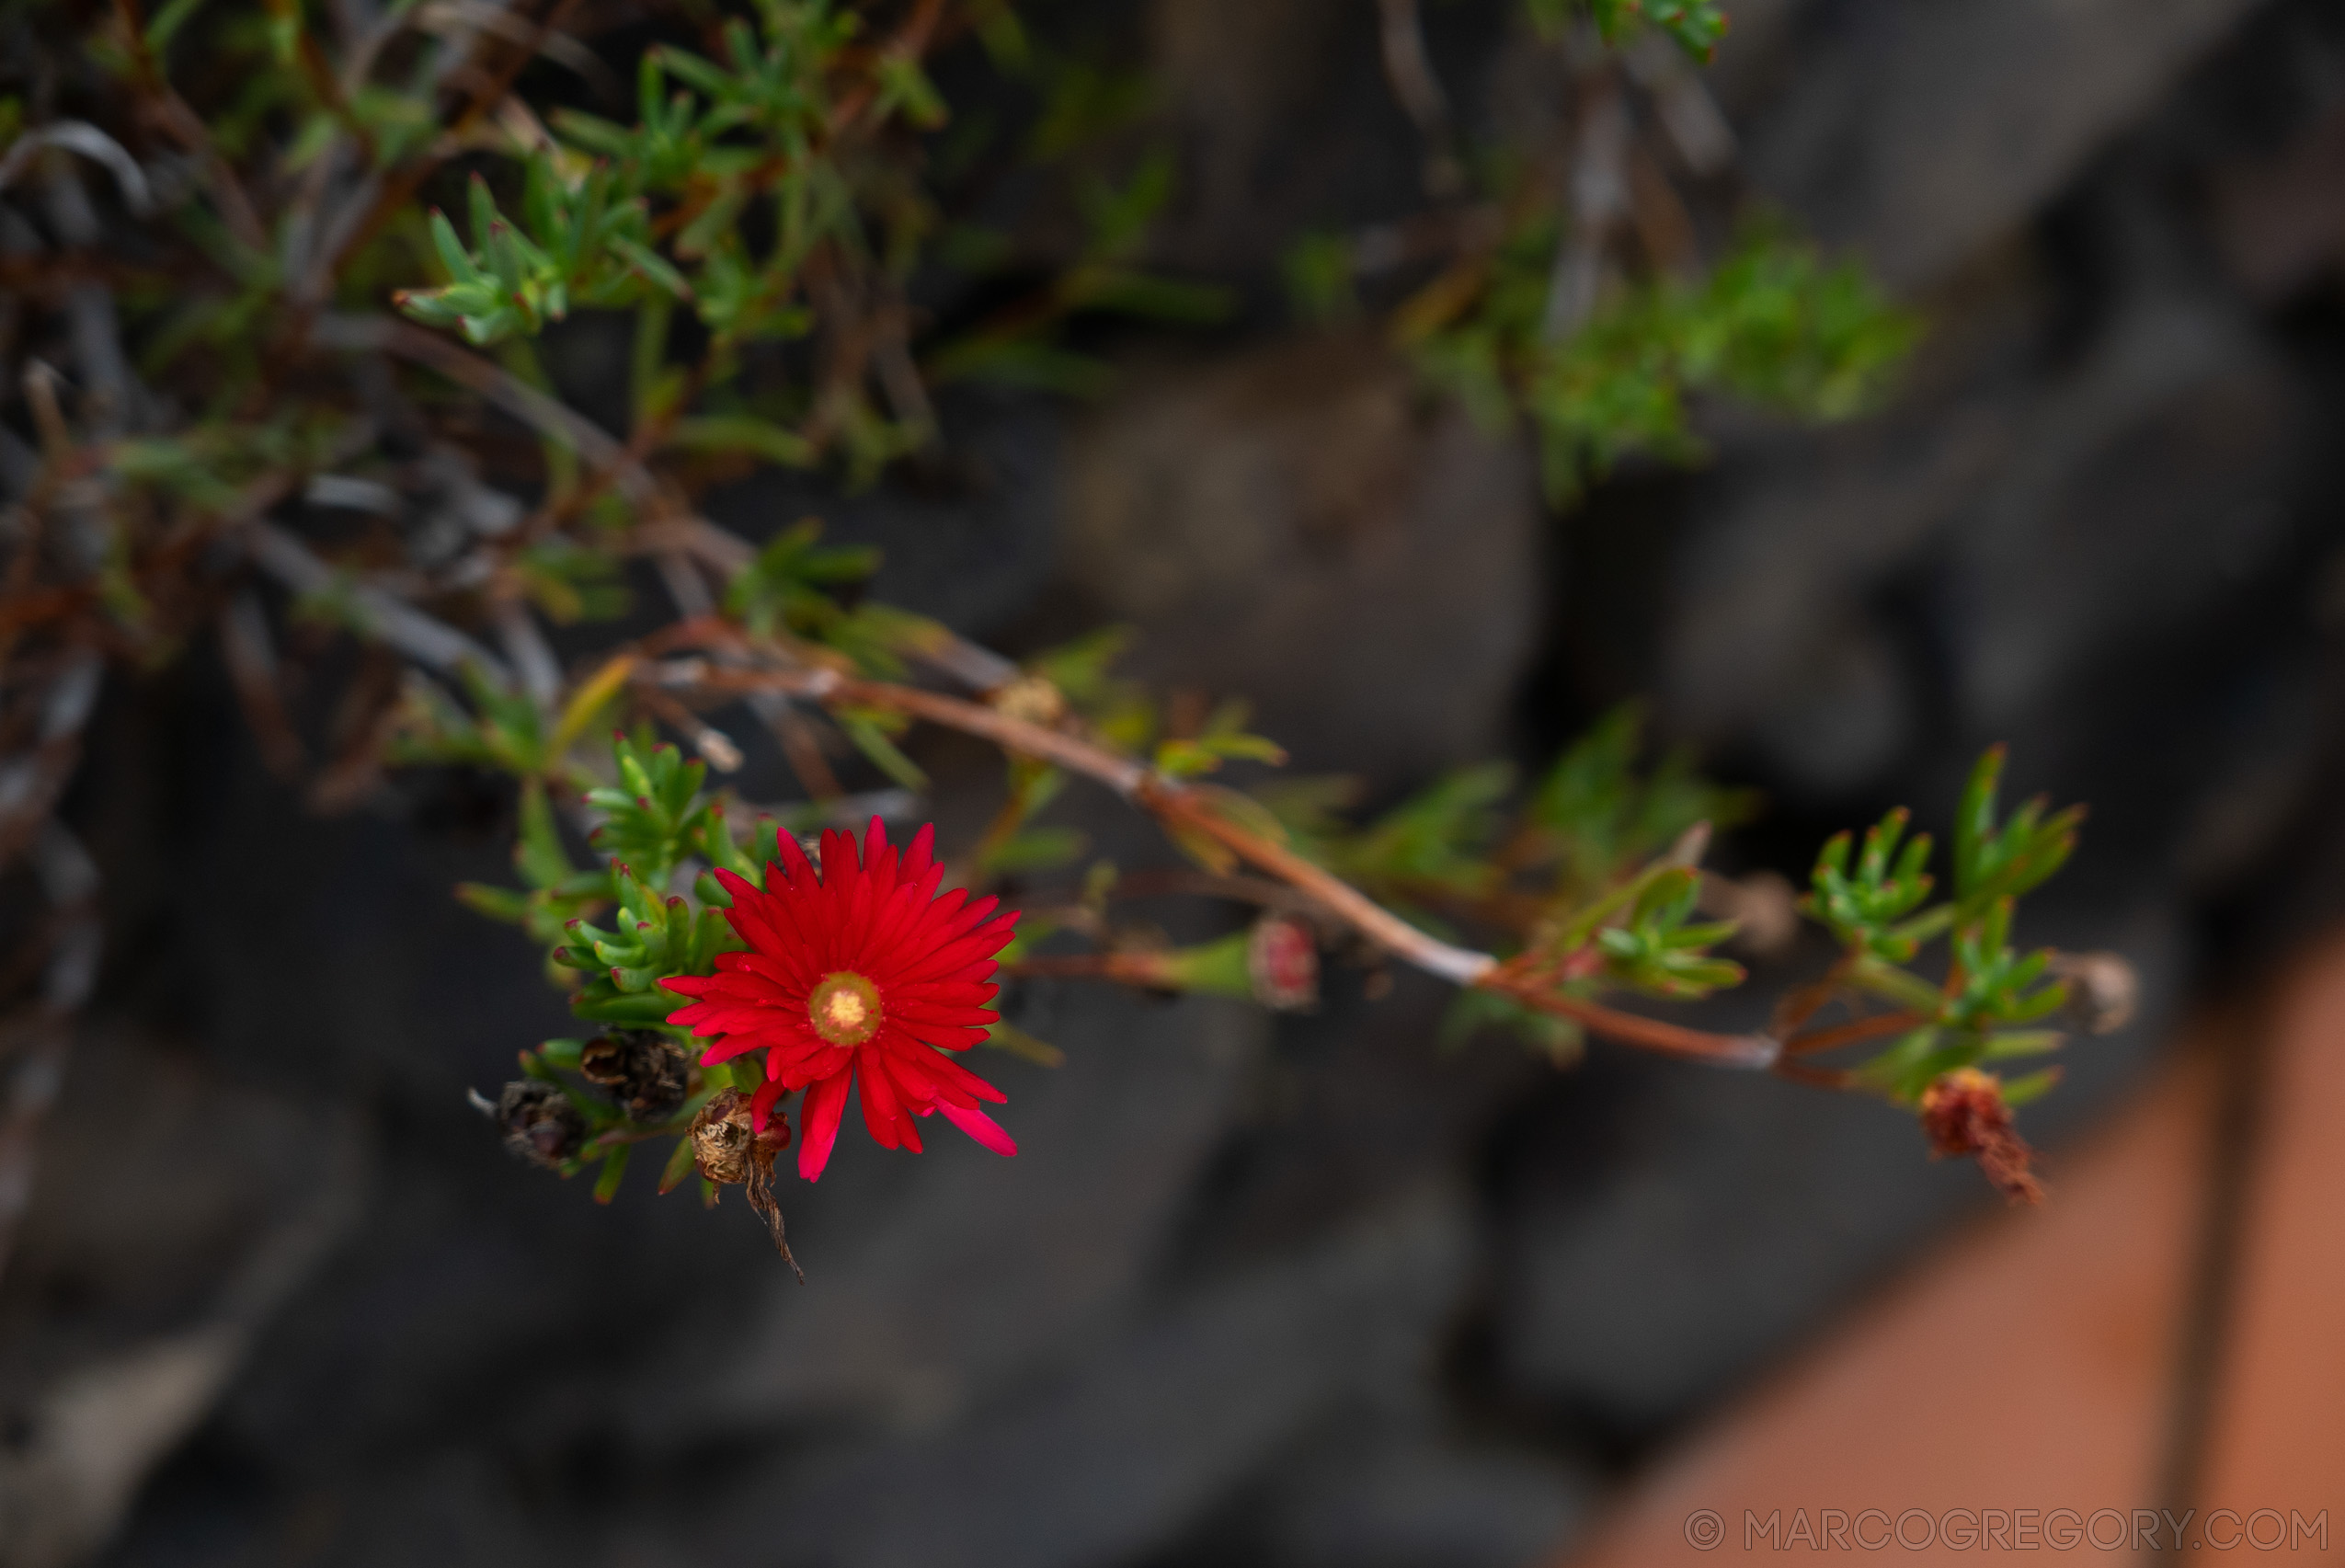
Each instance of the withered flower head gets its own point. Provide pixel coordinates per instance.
(730, 1149)
(539, 1123)
(643, 1070)
(725, 1148)
(1963, 1113)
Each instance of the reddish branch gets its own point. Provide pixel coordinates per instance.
(1191, 811)
(1851, 1034)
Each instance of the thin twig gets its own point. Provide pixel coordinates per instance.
(1187, 809)
(1409, 69)
(423, 638)
(1599, 197)
(1851, 1034)
(251, 658)
(383, 335)
(1755, 1051)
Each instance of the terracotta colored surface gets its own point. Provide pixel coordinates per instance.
(2277, 1435)
(2035, 1364)
(2024, 1367)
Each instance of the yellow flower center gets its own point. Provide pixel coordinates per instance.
(844, 1008)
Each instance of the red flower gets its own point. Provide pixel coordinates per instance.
(861, 970)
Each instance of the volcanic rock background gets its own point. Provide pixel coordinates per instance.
(1294, 1291)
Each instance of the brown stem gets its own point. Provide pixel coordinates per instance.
(186, 128)
(1144, 970)
(1183, 806)
(1796, 1008)
(1180, 805)
(1820, 1077)
(1179, 880)
(551, 416)
(1849, 1034)
(1756, 1051)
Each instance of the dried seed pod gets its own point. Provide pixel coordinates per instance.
(539, 1123)
(721, 1143)
(1963, 1113)
(729, 1152)
(645, 1071)
(2103, 989)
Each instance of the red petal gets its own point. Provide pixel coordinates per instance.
(726, 1049)
(881, 1109)
(761, 1103)
(979, 1126)
(818, 1123)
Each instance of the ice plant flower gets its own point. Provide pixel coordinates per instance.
(858, 975)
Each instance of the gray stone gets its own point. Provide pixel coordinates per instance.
(174, 1215)
(1118, 1456)
(1921, 130)
(963, 532)
(1397, 1496)
(936, 1284)
(2042, 527)
(1300, 524)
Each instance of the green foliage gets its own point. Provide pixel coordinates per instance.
(1694, 25)
(782, 183)
(1992, 863)
(1600, 816)
(1223, 737)
(1771, 323)
(504, 731)
(1438, 839)
(615, 932)
(1471, 1011)
(650, 938)
(1117, 220)
(1657, 949)
(1878, 910)
(789, 585)
(1863, 908)
(571, 583)
(1318, 270)
(1582, 839)
(1119, 712)
(583, 243)
(709, 140)
(1592, 878)
(1999, 984)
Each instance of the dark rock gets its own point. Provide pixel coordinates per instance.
(939, 1282)
(1920, 132)
(1302, 525)
(1157, 1424)
(1393, 1493)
